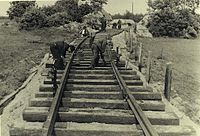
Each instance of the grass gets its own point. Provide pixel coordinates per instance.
(184, 54)
(22, 50)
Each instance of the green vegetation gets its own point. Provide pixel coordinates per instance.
(33, 18)
(184, 55)
(18, 8)
(173, 18)
(22, 50)
(30, 16)
(129, 15)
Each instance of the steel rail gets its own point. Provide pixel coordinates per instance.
(144, 122)
(48, 126)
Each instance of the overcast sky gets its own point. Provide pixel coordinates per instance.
(113, 7)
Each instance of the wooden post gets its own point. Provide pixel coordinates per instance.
(136, 52)
(149, 67)
(168, 81)
(117, 59)
(117, 50)
(125, 36)
(161, 54)
(128, 49)
(140, 57)
(54, 79)
(131, 44)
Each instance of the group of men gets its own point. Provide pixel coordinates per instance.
(117, 25)
(98, 46)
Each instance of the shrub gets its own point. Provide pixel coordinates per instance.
(128, 15)
(83, 10)
(59, 19)
(48, 10)
(18, 8)
(33, 18)
(168, 18)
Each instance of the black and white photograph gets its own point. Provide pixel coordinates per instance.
(99, 67)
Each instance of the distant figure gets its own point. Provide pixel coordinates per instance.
(98, 48)
(58, 50)
(84, 32)
(103, 23)
(114, 26)
(119, 23)
(109, 41)
(135, 28)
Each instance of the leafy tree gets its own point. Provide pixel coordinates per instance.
(62, 12)
(49, 10)
(77, 12)
(33, 18)
(83, 10)
(129, 15)
(171, 18)
(178, 4)
(68, 6)
(18, 8)
(58, 19)
(97, 5)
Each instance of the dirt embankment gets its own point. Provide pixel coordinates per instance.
(22, 50)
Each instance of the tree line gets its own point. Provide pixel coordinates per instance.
(173, 18)
(128, 15)
(30, 16)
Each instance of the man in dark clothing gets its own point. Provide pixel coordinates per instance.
(103, 23)
(84, 32)
(114, 26)
(58, 50)
(98, 48)
(119, 23)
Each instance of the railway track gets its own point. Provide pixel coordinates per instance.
(105, 101)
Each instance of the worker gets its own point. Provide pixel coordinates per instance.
(119, 23)
(114, 26)
(58, 50)
(84, 32)
(103, 24)
(98, 48)
(109, 41)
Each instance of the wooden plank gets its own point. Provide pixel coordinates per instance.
(109, 116)
(103, 95)
(91, 129)
(148, 105)
(168, 81)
